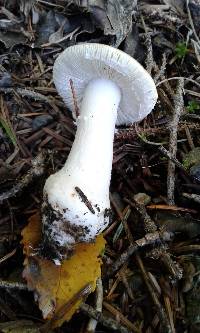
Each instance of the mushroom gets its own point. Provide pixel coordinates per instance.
(111, 89)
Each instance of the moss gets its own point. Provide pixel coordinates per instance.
(192, 158)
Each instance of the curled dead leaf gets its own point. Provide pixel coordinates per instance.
(59, 290)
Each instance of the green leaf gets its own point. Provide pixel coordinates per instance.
(8, 131)
(192, 106)
(181, 50)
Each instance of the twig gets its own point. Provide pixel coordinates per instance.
(123, 218)
(161, 71)
(25, 92)
(91, 327)
(82, 293)
(166, 153)
(196, 49)
(157, 12)
(84, 199)
(178, 78)
(113, 287)
(169, 313)
(29, 93)
(161, 313)
(159, 252)
(191, 196)
(178, 109)
(162, 149)
(149, 224)
(76, 108)
(13, 285)
(60, 40)
(121, 317)
(191, 22)
(102, 319)
(121, 275)
(57, 136)
(50, 4)
(149, 59)
(148, 239)
(36, 171)
(171, 208)
(189, 137)
(7, 256)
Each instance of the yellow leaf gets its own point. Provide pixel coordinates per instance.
(60, 289)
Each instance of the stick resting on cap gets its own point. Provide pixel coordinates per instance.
(111, 88)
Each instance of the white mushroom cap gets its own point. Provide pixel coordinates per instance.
(83, 62)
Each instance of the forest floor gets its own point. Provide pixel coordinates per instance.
(151, 265)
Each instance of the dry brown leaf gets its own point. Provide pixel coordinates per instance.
(59, 290)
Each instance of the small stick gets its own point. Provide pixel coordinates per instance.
(189, 137)
(102, 319)
(82, 293)
(166, 153)
(148, 239)
(191, 22)
(122, 276)
(77, 113)
(123, 217)
(149, 59)
(121, 317)
(91, 327)
(116, 282)
(162, 149)
(191, 196)
(162, 69)
(84, 199)
(160, 251)
(36, 171)
(30, 93)
(149, 224)
(116, 222)
(13, 285)
(169, 313)
(161, 313)
(178, 109)
(7, 256)
(178, 78)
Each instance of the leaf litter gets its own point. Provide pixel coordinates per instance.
(58, 289)
(151, 264)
